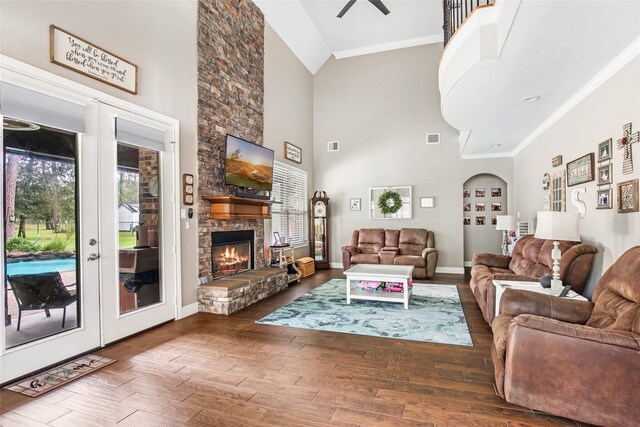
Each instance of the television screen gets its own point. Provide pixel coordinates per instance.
(248, 165)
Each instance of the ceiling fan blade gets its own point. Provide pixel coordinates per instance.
(346, 8)
(381, 7)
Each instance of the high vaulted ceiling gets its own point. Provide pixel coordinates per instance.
(313, 31)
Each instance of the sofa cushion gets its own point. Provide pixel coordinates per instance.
(391, 238)
(415, 260)
(371, 240)
(365, 259)
(412, 241)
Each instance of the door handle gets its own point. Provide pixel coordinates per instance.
(93, 257)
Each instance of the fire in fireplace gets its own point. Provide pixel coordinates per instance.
(231, 252)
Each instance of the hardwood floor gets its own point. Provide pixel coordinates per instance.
(214, 370)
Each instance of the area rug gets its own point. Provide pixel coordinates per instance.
(434, 315)
(58, 376)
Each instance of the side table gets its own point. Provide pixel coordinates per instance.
(501, 285)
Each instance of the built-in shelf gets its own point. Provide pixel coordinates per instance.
(231, 207)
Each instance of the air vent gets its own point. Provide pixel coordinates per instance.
(334, 145)
(433, 138)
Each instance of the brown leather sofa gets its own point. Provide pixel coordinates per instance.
(575, 359)
(530, 260)
(407, 246)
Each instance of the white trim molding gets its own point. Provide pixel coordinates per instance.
(450, 270)
(188, 310)
(632, 51)
(336, 265)
(384, 47)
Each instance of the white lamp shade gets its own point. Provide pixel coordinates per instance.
(558, 226)
(505, 223)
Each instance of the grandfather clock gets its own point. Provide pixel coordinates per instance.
(319, 229)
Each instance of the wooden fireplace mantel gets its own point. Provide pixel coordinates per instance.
(231, 207)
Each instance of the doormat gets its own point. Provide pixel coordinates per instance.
(60, 375)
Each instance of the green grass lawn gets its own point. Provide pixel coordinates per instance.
(127, 239)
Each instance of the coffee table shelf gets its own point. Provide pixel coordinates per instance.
(383, 273)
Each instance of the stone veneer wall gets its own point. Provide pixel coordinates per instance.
(230, 101)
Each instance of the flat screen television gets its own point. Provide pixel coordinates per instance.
(248, 165)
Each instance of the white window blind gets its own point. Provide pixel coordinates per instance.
(290, 218)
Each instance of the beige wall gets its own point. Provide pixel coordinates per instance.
(288, 108)
(380, 108)
(158, 36)
(599, 116)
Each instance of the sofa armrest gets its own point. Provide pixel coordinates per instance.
(491, 260)
(515, 302)
(575, 265)
(624, 339)
(353, 250)
(573, 371)
(427, 251)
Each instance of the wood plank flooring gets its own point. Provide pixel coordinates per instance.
(229, 371)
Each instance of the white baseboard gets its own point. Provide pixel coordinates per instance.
(467, 263)
(188, 310)
(450, 270)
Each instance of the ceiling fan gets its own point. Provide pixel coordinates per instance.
(377, 3)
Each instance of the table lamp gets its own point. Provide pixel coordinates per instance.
(505, 223)
(557, 226)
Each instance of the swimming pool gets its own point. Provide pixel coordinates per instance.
(29, 267)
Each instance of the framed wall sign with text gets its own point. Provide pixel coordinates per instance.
(81, 56)
(292, 152)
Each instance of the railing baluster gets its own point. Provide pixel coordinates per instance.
(455, 13)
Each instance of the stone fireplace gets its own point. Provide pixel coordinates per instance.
(230, 101)
(231, 252)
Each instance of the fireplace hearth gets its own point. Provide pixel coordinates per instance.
(231, 252)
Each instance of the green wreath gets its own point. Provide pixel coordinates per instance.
(389, 208)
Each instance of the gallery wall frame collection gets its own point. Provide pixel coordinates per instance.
(481, 206)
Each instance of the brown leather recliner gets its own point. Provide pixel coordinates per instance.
(407, 246)
(531, 259)
(575, 359)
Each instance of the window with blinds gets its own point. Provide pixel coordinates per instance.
(289, 217)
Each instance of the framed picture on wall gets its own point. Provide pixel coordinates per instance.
(354, 204)
(496, 207)
(466, 207)
(496, 192)
(628, 196)
(480, 220)
(292, 152)
(480, 207)
(604, 199)
(466, 193)
(466, 220)
(479, 192)
(604, 150)
(494, 220)
(605, 174)
(580, 170)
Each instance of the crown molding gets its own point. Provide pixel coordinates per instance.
(384, 47)
(628, 54)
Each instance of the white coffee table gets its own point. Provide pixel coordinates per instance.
(383, 273)
(501, 285)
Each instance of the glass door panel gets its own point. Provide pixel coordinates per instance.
(41, 269)
(138, 231)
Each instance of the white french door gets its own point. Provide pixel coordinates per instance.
(92, 179)
(137, 192)
(62, 156)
